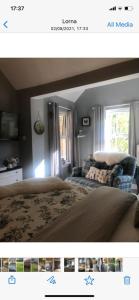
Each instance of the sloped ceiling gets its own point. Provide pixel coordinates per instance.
(29, 72)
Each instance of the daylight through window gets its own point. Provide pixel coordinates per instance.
(117, 129)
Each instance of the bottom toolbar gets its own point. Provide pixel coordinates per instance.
(40, 278)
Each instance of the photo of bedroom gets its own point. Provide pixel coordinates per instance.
(69, 152)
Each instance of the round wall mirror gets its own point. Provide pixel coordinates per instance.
(39, 127)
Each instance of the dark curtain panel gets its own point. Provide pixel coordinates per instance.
(75, 140)
(98, 128)
(54, 139)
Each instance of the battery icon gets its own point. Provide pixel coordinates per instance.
(129, 8)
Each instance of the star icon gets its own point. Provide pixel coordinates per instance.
(89, 280)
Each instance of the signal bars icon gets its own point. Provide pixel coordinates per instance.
(127, 8)
(113, 8)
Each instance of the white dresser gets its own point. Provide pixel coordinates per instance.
(11, 176)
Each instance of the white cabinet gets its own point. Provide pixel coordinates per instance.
(12, 176)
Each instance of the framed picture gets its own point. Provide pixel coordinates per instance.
(86, 121)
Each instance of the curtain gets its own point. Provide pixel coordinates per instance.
(98, 128)
(133, 127)
(67, 131)
(54, 139)
(70, 138)
(75, 139)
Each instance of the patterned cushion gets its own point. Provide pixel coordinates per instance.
(76, 171)
(129, 165)
(117, 170)
(93, 173)
(102, 165)
(99, 175)
(93, 163)
(104, 176)
(87, 164)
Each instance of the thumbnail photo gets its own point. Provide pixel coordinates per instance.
(69, 156)
(69, 264)
(100, 264)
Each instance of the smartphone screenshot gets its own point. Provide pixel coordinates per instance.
(69, 150)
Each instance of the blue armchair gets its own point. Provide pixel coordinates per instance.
(121, 178)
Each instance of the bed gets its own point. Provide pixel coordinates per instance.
(28, 207)
(50, 210)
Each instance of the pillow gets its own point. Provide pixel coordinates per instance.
(34, 186)
(117, 171)
(104, 176)
(110, 158)
(99, 175)
(87, 164)
(136, 218)
(101, 165)
(129, 165)
(93, 163)
(93, 173)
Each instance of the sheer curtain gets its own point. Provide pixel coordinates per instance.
(75, 139)
(133, 128)
(54, 139)
(67, 131)
(70, 137)
(98, 128)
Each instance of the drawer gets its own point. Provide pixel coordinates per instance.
(8, 180)
(11, 177)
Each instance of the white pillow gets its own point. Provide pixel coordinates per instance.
(110, 158)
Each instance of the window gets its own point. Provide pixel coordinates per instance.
(117, 129)
(64, 135)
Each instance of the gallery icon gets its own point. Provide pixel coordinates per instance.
(127, 280)
(11, 280)
(89, 280)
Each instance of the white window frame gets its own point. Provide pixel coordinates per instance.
(107, 133)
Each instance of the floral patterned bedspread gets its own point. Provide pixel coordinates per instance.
(22, 217)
